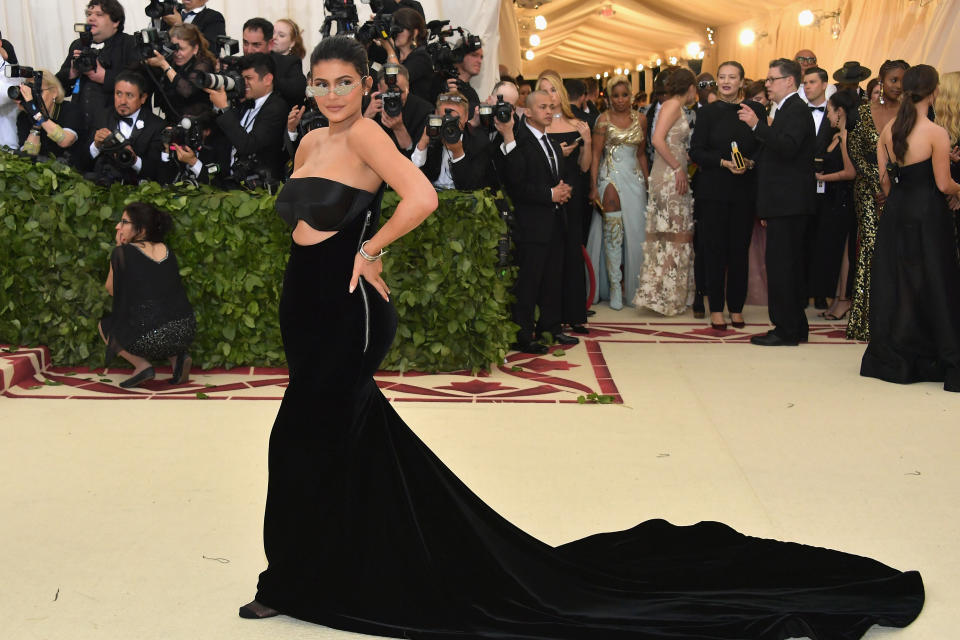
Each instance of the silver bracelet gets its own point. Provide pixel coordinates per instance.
(366, 256)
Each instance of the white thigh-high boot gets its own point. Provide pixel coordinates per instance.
(613, 249)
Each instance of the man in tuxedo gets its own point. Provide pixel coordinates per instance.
(532, 175)
(459, 164)
(785, 199)
(92, 90)
(288, 78)
(254, 129)
(815, 83)
(180, 162)
(209, 21)
(129, 121)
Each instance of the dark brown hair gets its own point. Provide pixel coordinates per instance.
(190, 34)
(411, 19)
(732, 63)
(890, 65)
(918, 83)
(112, 8)
(849, 101)
(787, 68)
(678, 81)
(153, 223)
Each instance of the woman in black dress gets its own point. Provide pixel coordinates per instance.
(838, 232)
(152, 318)
(366, 529)
(409, 48)
(726, 195)
(915, 311)
(192, 56)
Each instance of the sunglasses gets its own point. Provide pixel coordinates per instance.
(449, 97)
(342, 89)
(703, 84)
(804, 59)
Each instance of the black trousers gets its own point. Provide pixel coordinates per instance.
(725, 232)
(538, 284)
(573, 308)
(786, 279)
(835, 224)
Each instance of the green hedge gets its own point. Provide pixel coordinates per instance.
(56, 234)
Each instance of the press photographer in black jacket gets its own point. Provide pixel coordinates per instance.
(125, 140)
(406, 127)
(96, 71)
(50, 129)
(210, 22)
(451, 155)
(195, 153)
(191, 56)
(409, 49)
(255, 128)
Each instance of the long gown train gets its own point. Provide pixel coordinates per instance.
(367, 530)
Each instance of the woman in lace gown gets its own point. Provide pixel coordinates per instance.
(915, 316)
(666, 283)
(618, 175)
(862, 144)
(367, 530)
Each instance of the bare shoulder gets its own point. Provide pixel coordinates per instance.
(366, 130)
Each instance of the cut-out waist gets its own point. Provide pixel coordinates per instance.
(306, 236)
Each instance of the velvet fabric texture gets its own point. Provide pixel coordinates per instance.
(367, 530)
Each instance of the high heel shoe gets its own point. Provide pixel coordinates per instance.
(737, 325)
(134, 381)
(829, 316)
(256, 611)
(181, 369)
(718, 327)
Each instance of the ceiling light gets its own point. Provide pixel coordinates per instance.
(619, 71)
(606, 74)
(529, 54)
(701, 55)
(747, 37)
(658, 63)
(540, 23)
(626, 72)
(673, 59)
(693, 49)
(534, 40)
(806, 18)
(639, 67)
(598, 76)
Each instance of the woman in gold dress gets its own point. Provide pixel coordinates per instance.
(862, 141)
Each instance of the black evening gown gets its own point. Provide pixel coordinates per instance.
(915, 312)
(367, 530)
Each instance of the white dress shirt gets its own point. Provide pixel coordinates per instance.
(445, 179)
(126, 130)
(249, 117)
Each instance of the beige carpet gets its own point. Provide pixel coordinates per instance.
(142, 520)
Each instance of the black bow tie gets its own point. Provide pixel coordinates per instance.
(813, 108)
(128, 120)
(186, 15)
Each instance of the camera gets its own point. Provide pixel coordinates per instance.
(114, 148)
(344, 13)
(381, 26)
(18, 71)
(392, 97)
(159, 8)
(187, 133)
(440, 51)
(502, 111)
(152, 41)
(89, 57)
(312, 118)
(248, 174)
(445, 127)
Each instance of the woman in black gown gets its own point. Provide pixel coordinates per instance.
(367, 530)
(915, 314)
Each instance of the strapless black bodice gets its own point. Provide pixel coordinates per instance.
(324, 204)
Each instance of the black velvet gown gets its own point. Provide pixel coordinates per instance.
(367, 530)
(915, 313)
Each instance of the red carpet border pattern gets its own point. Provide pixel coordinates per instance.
(570, 375)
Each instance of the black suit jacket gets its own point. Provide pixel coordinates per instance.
(11, 54)
(289, 80)
(529, 179)
(414, 116)
(824, 135)
(785, 182)
(119, 53)
(717, 126)
(145, 140)
(211, 25)
(470, 173)
(265, 136)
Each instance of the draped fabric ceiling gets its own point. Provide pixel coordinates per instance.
(579, 41)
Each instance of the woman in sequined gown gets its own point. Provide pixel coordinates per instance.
(666, 282)
(618, 176)
(862, 143)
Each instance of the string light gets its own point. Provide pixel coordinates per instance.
(710, 32)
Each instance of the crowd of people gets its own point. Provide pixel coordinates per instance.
(665, 195)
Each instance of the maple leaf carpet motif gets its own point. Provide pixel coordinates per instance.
(561, 376)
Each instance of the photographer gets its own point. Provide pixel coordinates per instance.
(449, 153)
(210, 22)
(288, 78)
(191, 56)
(46, 130)
(468, 58)
(254, 130)
(408, 48)
(125, 144)
(90, 74)
(193, 153)
(405, 115)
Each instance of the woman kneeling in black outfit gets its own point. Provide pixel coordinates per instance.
(152, 318)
